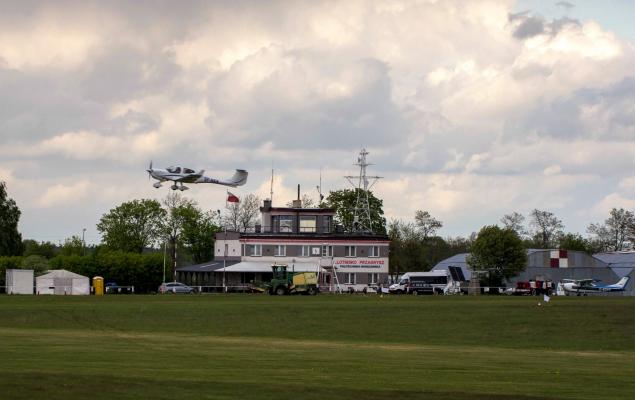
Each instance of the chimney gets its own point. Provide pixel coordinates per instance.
(266, 205)
(297, 203)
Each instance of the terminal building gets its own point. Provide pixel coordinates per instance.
(304, 239)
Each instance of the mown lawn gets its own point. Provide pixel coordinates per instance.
(323, 347)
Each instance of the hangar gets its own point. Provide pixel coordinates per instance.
(556, 265)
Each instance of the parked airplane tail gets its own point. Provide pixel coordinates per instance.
(622, 282)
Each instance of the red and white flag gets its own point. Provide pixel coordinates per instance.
(232, 198)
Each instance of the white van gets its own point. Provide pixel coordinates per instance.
(431, 282)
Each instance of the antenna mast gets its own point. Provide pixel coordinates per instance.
(361, 214)
(271, 187)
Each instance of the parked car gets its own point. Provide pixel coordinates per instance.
(175, 287)
(114, 288)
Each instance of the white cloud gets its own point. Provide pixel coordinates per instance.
(464, 114)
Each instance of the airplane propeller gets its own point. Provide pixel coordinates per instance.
(149, 170)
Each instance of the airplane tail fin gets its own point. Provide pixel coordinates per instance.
(239, 178)
(622, 282)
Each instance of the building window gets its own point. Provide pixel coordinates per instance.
(374, 251)
(327, 222)
(254, 250)
(283, 223)
(280, 250)
(308, 224)
(350, 251)
(306, 251)
(350, 278)
(373, 279)
(327, 251)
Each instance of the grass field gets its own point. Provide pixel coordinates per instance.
(322, 347)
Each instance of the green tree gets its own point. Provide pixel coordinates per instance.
(499, 253)
(343, 201)
(198, 233)
(73, 246)
(575, 241)
(10, 238)
(36, 263)
(44, 249)
(133, 226)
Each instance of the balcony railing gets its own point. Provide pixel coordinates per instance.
(287, 230)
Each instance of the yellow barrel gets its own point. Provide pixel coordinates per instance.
(98, 286)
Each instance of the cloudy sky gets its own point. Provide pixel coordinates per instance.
(470, 110)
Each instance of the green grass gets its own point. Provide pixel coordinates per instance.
(323, 347)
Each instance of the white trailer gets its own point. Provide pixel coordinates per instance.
(19, 281)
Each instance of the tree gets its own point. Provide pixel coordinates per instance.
(426, 224)
(10, 237)
(547, 228)
(307, 202)
(178, 209)
(243, 215)
(516, 222)
(133, 225)
(499, 253)
(74, 246)
(198, 235)
(44, 249)
(36, 263)
(617, 230)
(574, 241)
(343, 201)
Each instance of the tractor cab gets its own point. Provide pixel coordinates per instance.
(279, 272)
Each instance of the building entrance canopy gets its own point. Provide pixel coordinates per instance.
(255, 266)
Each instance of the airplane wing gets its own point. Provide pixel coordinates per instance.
(190, 178)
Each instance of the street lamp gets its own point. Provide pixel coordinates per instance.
(83, 242)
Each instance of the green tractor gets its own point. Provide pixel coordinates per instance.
(285, 282)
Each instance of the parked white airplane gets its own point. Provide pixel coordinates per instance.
(181, 175)
(585, 286)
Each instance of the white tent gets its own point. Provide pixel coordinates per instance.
(61, 281)
(19, 281)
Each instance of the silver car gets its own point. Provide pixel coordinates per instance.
(175, 287)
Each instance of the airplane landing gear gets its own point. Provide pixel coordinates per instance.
(174, 187)
(157, 185)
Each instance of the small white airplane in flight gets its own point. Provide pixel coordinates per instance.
(181, 175)
(585, 286)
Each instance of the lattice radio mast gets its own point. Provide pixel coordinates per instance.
(361, 214)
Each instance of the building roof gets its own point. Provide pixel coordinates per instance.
(263, 266)
(621, 262)
(208, 266)
(61, 273)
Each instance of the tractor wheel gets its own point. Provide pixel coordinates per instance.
(312, 291)
(281, 291)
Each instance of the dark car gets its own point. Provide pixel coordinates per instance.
(175, 287)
